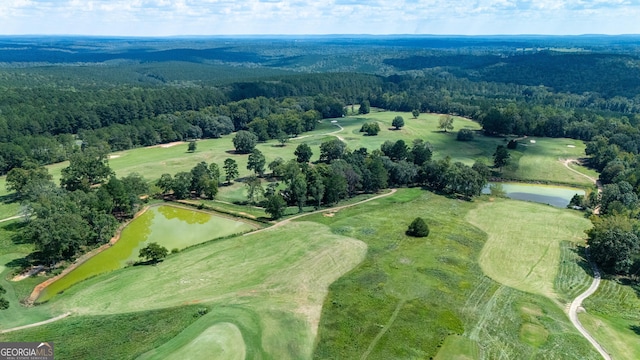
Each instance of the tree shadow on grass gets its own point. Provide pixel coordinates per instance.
(635, 329)
(581, 251)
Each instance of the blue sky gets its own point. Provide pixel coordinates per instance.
(228, 17)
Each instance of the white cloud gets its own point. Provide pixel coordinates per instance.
(169, 17)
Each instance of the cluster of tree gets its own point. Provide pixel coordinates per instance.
(341, 173)
(4, 303)
(37, 124)
(370, 128)
(82, 213)
(202, 180)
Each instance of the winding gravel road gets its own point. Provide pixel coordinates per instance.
(575, 305)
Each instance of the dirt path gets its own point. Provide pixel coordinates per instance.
(576, 305)
(11, 218)
(383, 330)
(329, 133)
(36, 324)
(597, 182)
(333, 209)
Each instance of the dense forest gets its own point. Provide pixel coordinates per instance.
(64, 98)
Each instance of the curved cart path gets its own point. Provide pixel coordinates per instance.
(575, 305)
(36, 324)
(333, 209)
(577, 302)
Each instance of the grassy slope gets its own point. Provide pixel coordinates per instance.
(613, 319)
(270, 285)
(529, 236)
(410, 295)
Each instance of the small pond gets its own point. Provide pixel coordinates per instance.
(558, 196)
(170, 226)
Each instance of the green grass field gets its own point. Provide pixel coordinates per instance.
(421, 298)
(529, 235)
(613, 319)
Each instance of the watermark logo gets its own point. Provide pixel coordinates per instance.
(26, 351)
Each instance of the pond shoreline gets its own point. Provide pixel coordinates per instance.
(31, 300)
(40, 288)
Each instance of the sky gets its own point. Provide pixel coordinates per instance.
(298, 17)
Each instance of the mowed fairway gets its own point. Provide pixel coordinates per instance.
(270, 285)
(523, 246)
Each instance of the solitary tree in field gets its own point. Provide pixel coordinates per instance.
(501, 157)
(415, 113)
(230, 170)
(192, 146)
(371, 129)
(397, 122)
(244, 141)
(365, 107)
(446, 123)
(418, 228)
(153, 252)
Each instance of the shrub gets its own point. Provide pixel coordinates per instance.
(418, 228)
(512, 144)
(465, 135)
(371, 129)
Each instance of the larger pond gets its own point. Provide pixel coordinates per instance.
(170, 226)
(558, 196)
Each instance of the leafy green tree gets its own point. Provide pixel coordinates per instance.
(613, 243)
(181, 184)
(501, 157)
(315, 186)
(332, 150)
(153, 252)
(370, 129)
(214, 170)
(420, 152)
(86, 169)
(256, 162)
(298, 190)
(275, 206)
(464, 135)
(335, 188)
(445, 123)
(415, 113)
(193, 145)
(463, 180)
(165, 183)
(365, 107)
(230, 170)
(244, 142)
(254, 188)
(58, 236)
(418, 228)
(397, 122)
(19, 179)
(277, 167)
(283, 138)
(202, 180)
(303, 153)
(4, 304)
